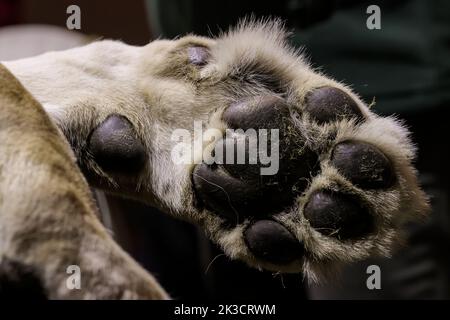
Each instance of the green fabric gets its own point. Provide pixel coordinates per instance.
(405, 66)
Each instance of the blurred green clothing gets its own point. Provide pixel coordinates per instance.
(404, 66)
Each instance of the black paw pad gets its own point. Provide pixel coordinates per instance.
(363, 164)
(229, 197)
(115, 146)
(261, 112)
(239, 190)
(328, 104)
(270, 241)
(338, 215)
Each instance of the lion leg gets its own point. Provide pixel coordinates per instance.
(47, 215)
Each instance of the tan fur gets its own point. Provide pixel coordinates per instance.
(47, 214)
(157, 89)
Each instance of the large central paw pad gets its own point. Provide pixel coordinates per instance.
(324, 201)
(239, 191)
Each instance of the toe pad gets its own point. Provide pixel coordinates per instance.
(328, 104)
(272, 242)
(363, 164)
(115, 147)
(338, 215)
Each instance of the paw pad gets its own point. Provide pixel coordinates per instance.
(238, 191)
(329, 104)
(338, 215)
(270, 241)
(363, 164)
(282, 214)
(115, 146)
(198, 55)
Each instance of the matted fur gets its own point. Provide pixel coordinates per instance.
(159, 91)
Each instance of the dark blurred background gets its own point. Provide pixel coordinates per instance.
(404, 67)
